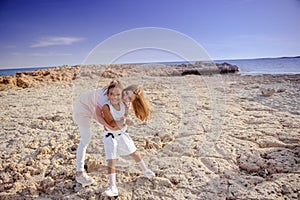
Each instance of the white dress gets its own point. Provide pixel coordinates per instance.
(117, 143)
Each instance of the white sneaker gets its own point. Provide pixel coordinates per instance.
(149, 174)
(84, 180)
(110, 192)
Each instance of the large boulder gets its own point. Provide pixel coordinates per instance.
(7, 82)
(227, 68)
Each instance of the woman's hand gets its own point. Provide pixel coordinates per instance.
(120, 124)
(115, 128)
(129, 122)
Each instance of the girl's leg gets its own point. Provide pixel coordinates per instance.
(138, 159)
(111, 170)
(111, 167)
(136, 156)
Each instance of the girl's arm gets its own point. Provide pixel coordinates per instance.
(108, 118)
(101, 120)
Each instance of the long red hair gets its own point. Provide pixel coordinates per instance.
(140, 104)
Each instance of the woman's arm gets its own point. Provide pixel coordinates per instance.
(126, 120)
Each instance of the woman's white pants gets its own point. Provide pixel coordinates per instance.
(85, 139)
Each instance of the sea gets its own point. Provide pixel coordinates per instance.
(282, 65)
(8, 72)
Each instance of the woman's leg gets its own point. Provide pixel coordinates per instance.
(85, 138)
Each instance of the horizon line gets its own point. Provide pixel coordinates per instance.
(153, 62)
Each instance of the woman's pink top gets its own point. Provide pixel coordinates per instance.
(85, 107)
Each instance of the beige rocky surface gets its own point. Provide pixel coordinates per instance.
(210, 137)
(38, 77)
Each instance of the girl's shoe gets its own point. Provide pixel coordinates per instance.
(149, 174)
(110, 192)
(84, 180)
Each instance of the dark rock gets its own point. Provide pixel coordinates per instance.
(190, 72)
(203, 68)
(227, 68)
(267, 92)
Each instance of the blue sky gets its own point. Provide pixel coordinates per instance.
(38, 33)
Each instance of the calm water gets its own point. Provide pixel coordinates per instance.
(267, 65)
(247, 66)
(7, 72)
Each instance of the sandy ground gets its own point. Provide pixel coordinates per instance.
(210, 137)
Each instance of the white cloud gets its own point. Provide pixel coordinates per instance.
(54, 41)
(50, 54)
(47, 54)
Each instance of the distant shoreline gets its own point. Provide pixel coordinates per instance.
(67, 74)
(244, 70)
(9, 72)
(141, 63)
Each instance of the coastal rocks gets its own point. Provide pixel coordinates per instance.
(267, 92)
(7, 82)
(25, 81)
(227, 68)
(270, 92)
(191, 72)
(31, 79)
(111, 74)
(265, 163)
(94, 165)
(201, 68)
(67, 74)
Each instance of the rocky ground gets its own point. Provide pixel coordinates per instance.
(210, 136)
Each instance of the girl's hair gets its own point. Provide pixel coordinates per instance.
(114, 84)
(140, 105)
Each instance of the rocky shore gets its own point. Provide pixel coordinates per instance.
(38, 77)
(211, 136)
(67, 74)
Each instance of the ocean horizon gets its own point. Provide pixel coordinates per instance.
(256, 66)
(281, 65)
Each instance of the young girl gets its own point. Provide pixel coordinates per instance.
(118, 142)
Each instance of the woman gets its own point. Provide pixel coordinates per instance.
(89, 107)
